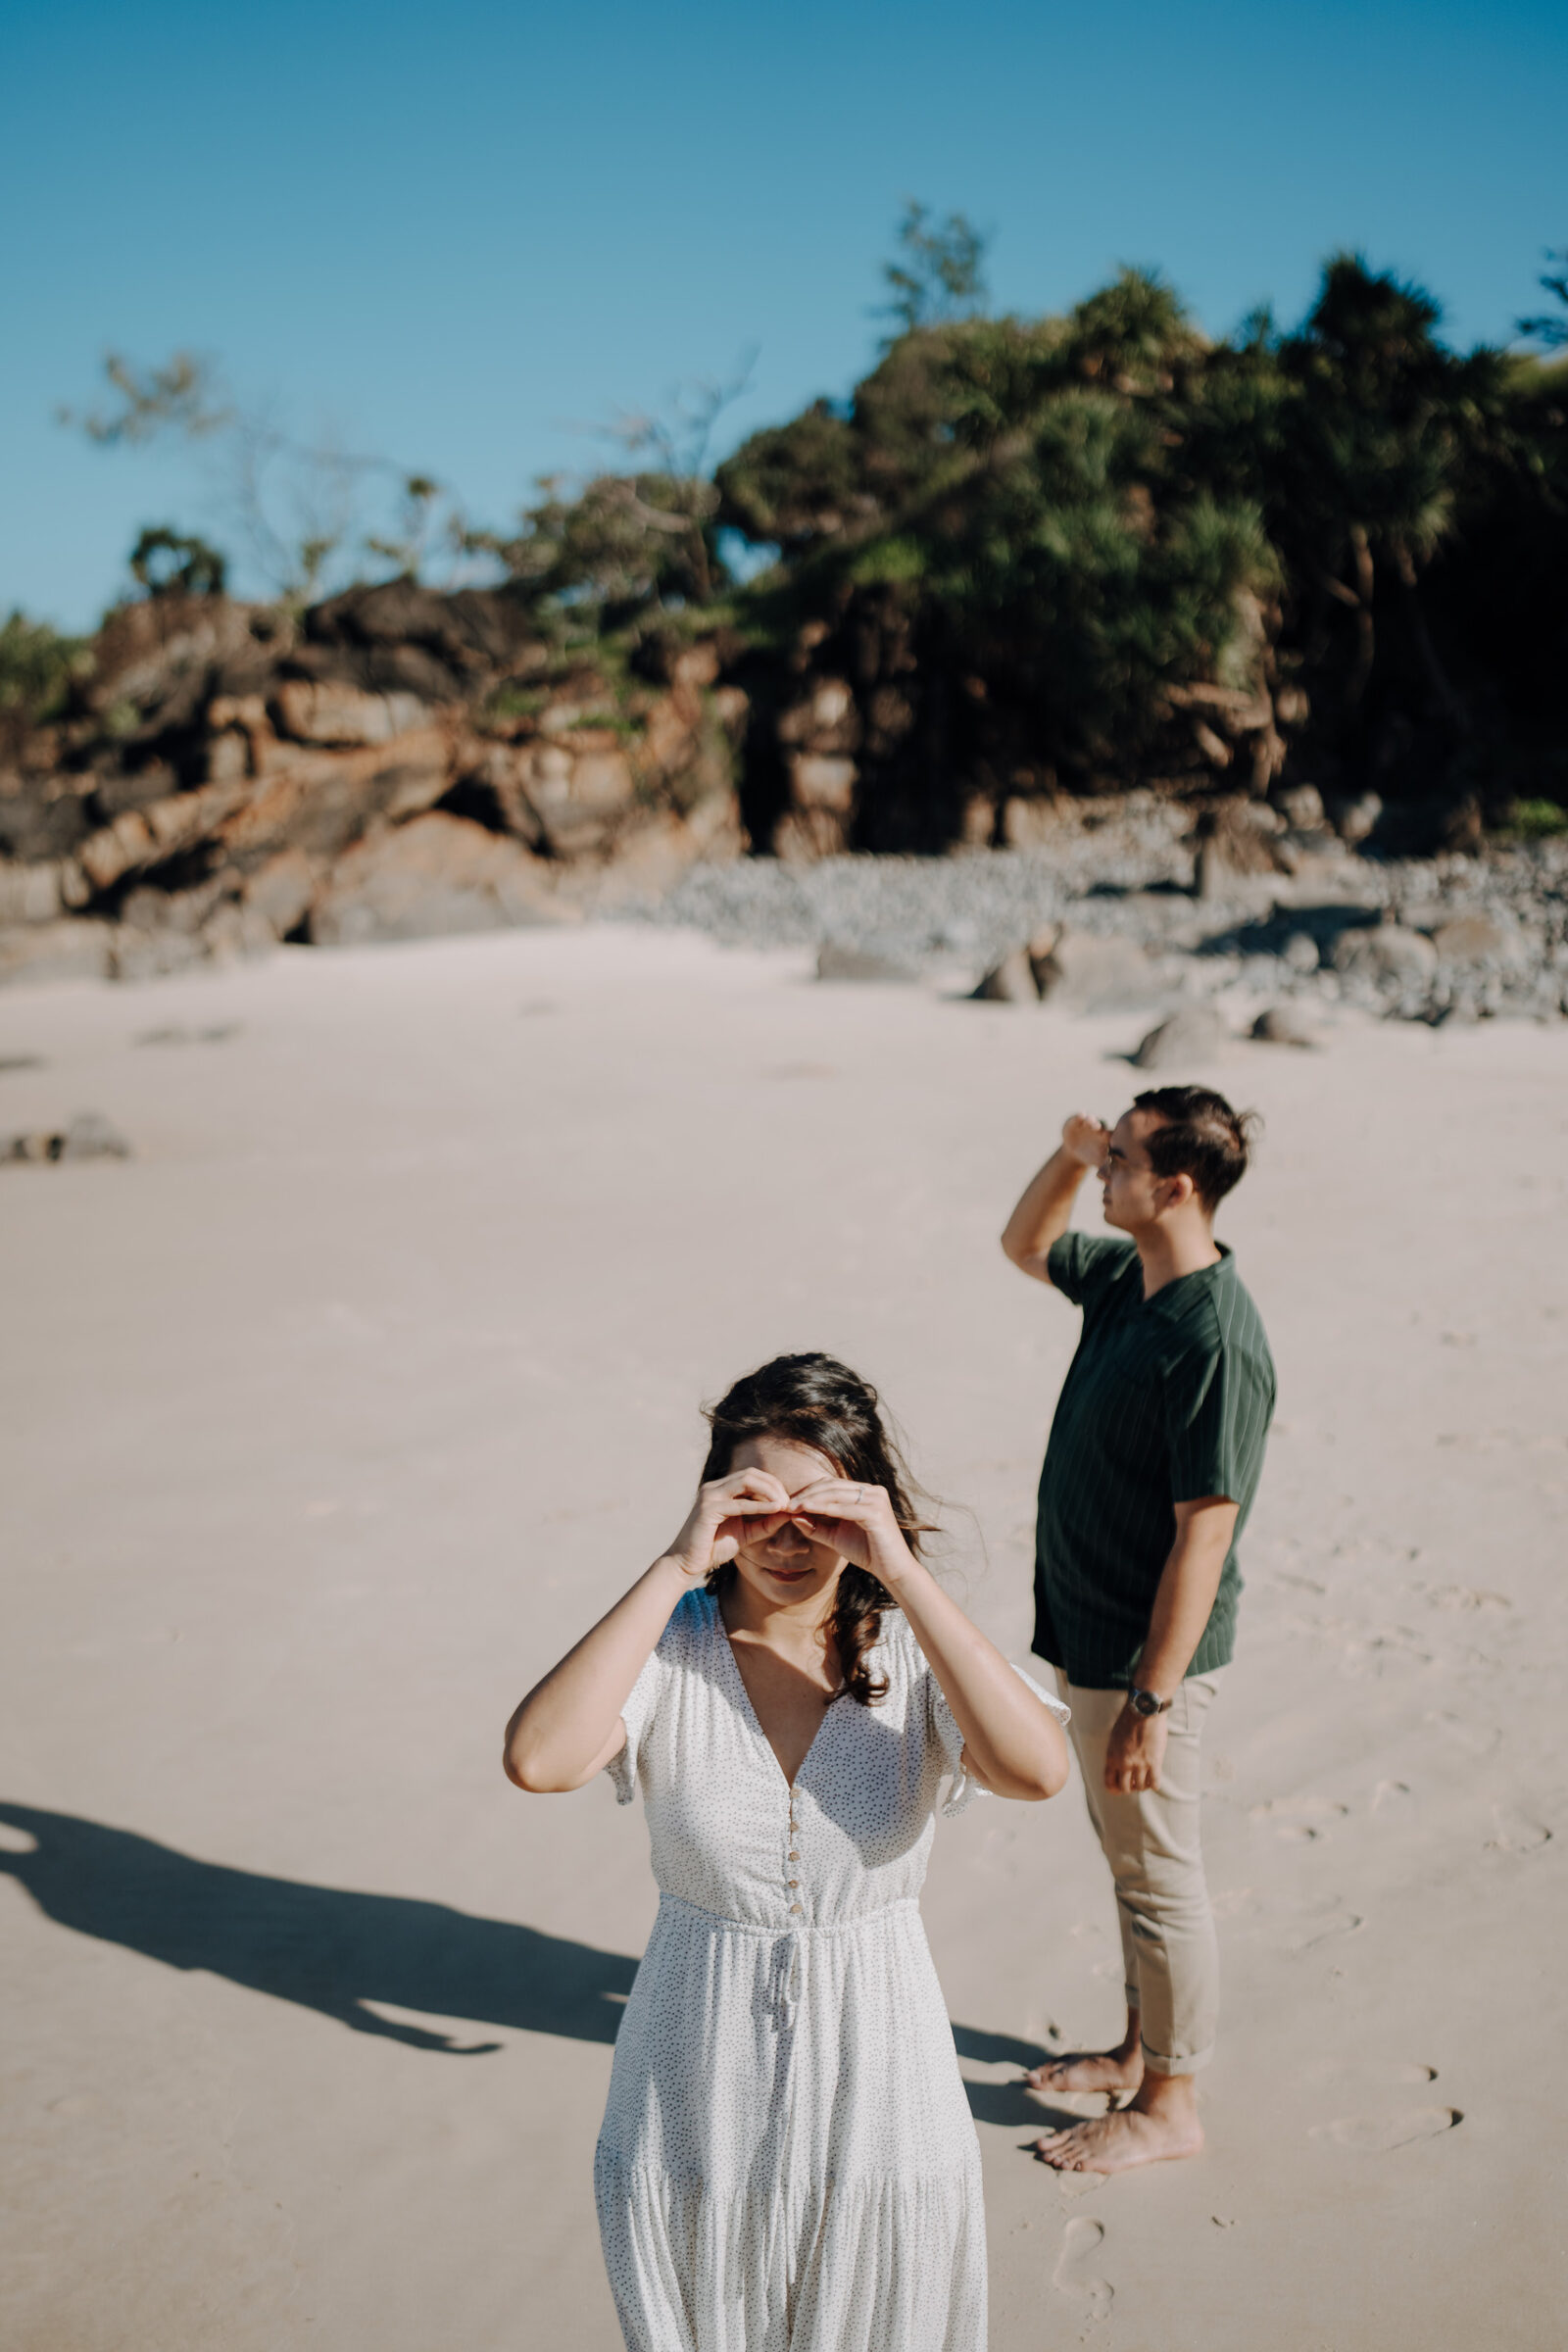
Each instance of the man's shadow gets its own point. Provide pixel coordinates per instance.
(334, 1951)
(325, 1948)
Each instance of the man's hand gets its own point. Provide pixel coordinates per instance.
(1041, 1217)
(1136, 1753)
(1085, 1140)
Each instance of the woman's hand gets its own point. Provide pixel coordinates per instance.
(746, 1507)
(858, 1523)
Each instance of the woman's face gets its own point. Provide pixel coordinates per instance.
(787, 1566)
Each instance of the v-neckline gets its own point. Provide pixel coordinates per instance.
(756, 1718)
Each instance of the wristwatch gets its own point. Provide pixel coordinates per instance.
(1143, 1702)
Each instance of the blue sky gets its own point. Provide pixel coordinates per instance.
(459, 234)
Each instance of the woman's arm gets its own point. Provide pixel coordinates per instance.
(568, 1727)
(1046, 1206)
(1012, 1745)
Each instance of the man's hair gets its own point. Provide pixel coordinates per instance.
(1201, 1138)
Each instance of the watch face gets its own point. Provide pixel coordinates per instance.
(1146, 1703)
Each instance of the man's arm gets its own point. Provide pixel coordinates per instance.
(1042, 1214)
(1183, 1603)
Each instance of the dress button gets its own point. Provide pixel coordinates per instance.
(794, 1856)
(792, 1884)
(795, 1912)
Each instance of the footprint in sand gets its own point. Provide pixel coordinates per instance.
(1074, 2275)
(1475, 1739)
(1516, 1832)
(1299, 1818)
(1378, 2134)
(1323, 1928)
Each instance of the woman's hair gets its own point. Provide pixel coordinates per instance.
(815, 1401)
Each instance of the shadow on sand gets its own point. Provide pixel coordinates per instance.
(321, 1946)
(334, 1951)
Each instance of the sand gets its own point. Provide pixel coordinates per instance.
(337, 1412)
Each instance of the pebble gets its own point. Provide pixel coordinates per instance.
(1414, 939)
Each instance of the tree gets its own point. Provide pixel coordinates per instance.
(169, 563)
(938, 273)
(301, 511)
(1551, 326)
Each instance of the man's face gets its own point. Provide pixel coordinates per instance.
(1131, 1194)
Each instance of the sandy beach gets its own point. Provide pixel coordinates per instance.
(334, 1414)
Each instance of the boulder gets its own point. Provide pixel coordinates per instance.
(1482, 939)
(319, 801)
(1387, 954)
(1096, 975)
(30, 894)
(438, 874)
(1355, 819)
(835, 960)
(818, 781)
(580, 796)
(331, 712)
(1010, 982)
(1283, 1025)
(280, 893)
(804, 835)
(1301, 806)
(64, 950)
(1194, 1034)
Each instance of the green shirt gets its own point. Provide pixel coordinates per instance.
(1167, 1399)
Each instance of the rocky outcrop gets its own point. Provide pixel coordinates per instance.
(394, 762)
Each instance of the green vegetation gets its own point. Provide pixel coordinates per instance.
(37, 669)
(1071, 551)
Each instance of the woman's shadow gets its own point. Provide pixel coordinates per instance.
(334, 1951)
(321, 1946)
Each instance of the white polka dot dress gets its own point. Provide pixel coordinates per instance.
(787, 2162)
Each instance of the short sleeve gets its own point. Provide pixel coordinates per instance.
(945, 1727)
(1081, 1264)
(637, 1715)
(1217, 1408)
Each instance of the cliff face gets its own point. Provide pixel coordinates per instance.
(397, 761)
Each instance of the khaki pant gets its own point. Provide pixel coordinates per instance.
(1170, 1954)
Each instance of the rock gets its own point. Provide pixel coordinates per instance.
(819, 782)
(1283, 1025)
(836, 961)
(1355, 819)
(336, 713)
(1192, 1035)
(30, 894)
(1387, 954)
(88, 1135)
(64, 950)
(1010, 982)
(1096, 975)
(804, 836)
(1301, 806)
(1302, 952)
(1482, 939)
(578, 797)
(139, 954)
(319, 802)
(438, 874)
(281, 892)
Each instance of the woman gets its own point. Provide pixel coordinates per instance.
(787, 2159)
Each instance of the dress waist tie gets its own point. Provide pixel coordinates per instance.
(790, 1959)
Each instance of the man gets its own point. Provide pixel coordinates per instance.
(1152, 1463)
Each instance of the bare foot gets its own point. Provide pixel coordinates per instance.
(1090, 2070)
(1115, 2143)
